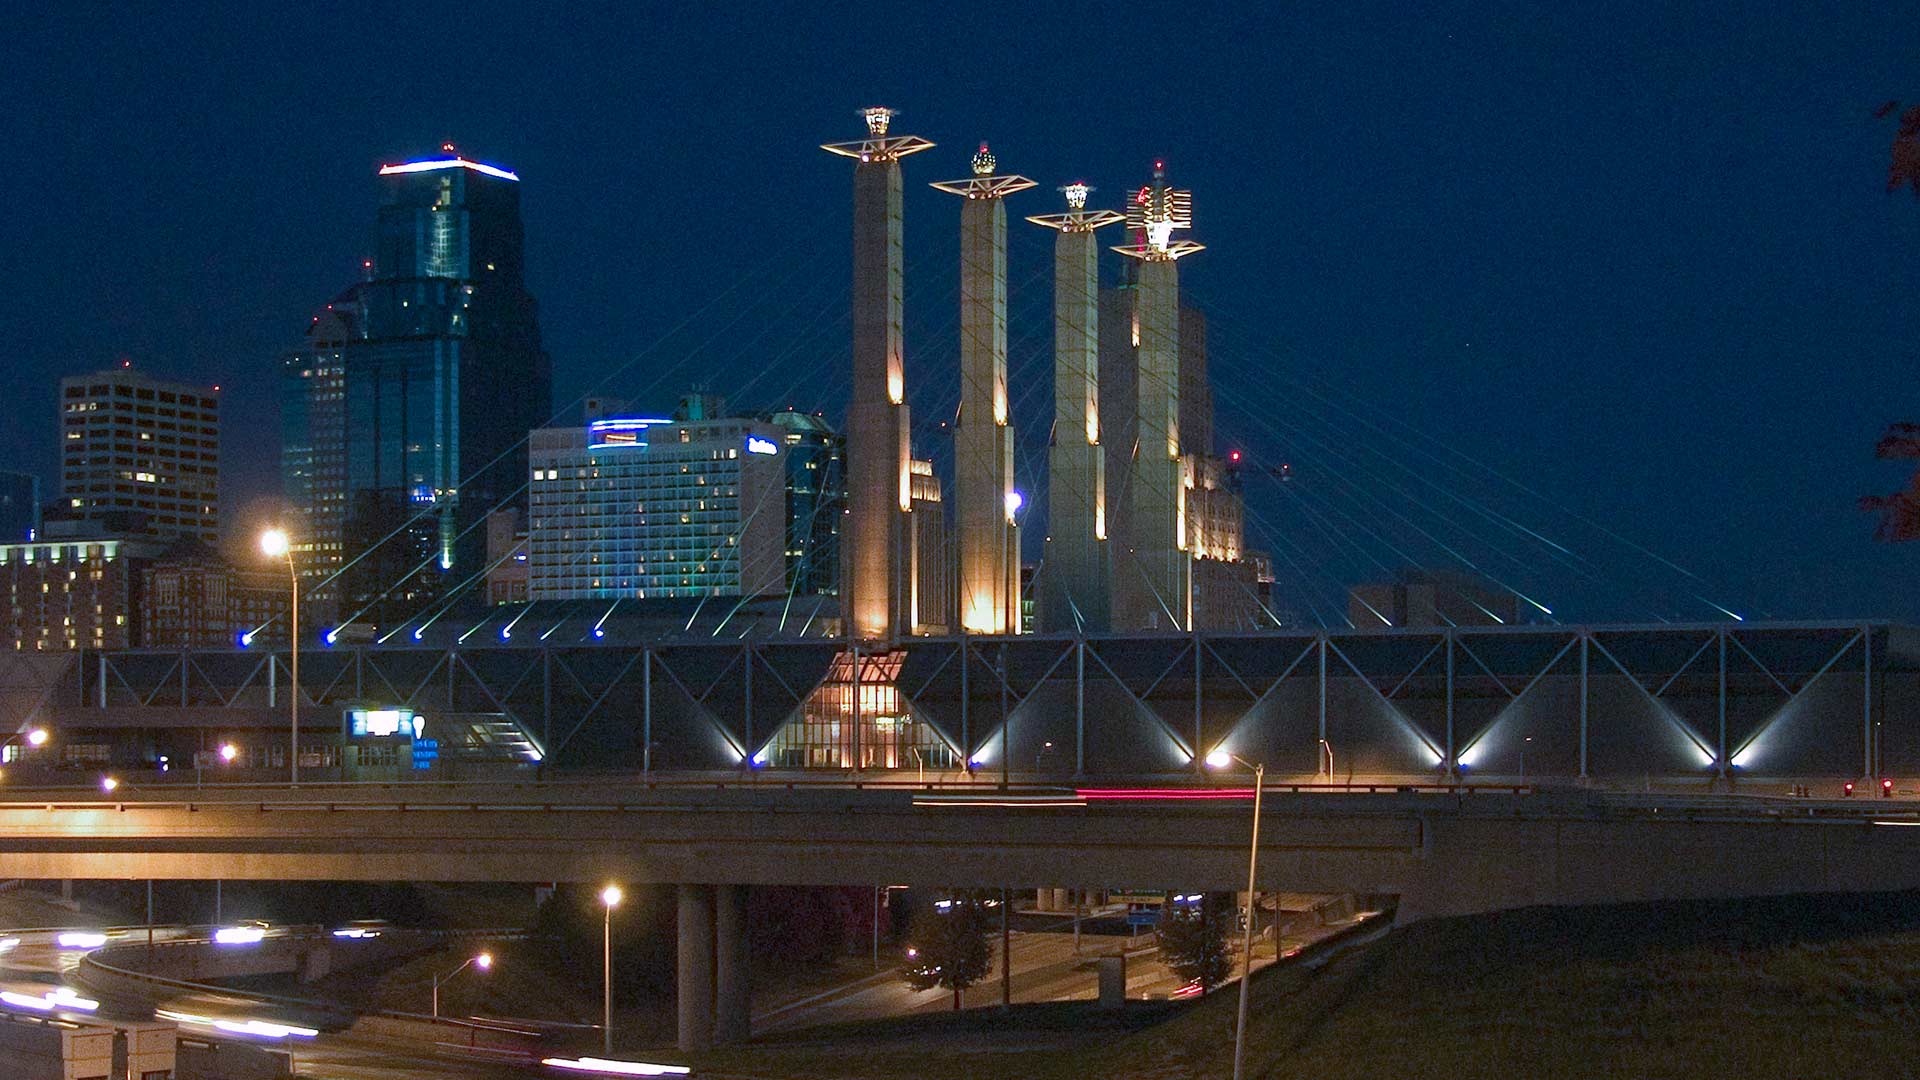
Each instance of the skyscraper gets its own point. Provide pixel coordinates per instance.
(816, 501)
(410, 403)
(135, 448)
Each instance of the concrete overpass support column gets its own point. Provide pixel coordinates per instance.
(733, 997)
(694, 987)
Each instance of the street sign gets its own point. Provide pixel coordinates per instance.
(1143, 917)
(425, 753)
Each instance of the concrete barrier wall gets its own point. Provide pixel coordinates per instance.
(310, 956)
(211, 1059)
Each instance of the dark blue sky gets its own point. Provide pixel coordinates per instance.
(1642, 263)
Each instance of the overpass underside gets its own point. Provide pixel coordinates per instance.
(1611, 705)
(1442, 854)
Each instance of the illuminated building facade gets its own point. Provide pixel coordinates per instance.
(72, 594)
(134, 445)
(639, 507)
(929, 553)
(440, 373)
(870, 726)
(986, 504)
(192, 598)
(313, 444)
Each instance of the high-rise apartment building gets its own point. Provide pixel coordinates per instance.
(131, 445)
(408, 406)
(644, 507)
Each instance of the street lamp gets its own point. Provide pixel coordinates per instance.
(108, 784)
(1221, 759)
(610, 898)
(1523, 758)
(32, 737)
(275, 545)
(228, 752)
(483, 961)
(1327, 751)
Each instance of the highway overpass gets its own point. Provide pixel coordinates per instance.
(1439, 851)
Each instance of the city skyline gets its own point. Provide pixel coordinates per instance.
(1571, 370)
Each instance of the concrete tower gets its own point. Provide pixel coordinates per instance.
(876, 589)
(1074, 581)
(985, 502)
(1155, 591)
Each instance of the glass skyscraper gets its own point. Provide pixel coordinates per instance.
(407, 409)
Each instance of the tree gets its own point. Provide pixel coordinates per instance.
(947, 947)
(1193, 940)
(1900, 511)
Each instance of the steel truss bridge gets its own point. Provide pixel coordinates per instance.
(1621, 705)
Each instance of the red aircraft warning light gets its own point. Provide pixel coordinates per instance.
(1886, 789)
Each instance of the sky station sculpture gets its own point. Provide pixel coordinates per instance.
(876, 585)
(986, 504)
(1153, 580)
(1074, 590)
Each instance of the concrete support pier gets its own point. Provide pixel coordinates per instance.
(693, 990)
(733, 997)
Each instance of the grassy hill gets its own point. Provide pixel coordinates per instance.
(1788, 987)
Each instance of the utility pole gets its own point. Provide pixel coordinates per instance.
(1006, 951)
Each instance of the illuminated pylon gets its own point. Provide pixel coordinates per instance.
(985, 501)
(1074, 582)
(875, 588)
(1157, 589)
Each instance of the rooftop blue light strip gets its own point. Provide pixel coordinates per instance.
(625, 423)
(446, 163)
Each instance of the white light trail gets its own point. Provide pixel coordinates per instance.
(609, 1067)
(59, 997)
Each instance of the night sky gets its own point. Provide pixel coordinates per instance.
(1643, 265)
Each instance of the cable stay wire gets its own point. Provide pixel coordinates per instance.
(1488, 471)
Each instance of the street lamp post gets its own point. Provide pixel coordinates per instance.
(274, 544)
(483, 961)
(1220, 759)
(1523, 758)
(610, 898)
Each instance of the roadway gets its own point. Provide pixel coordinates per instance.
(38, 965)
